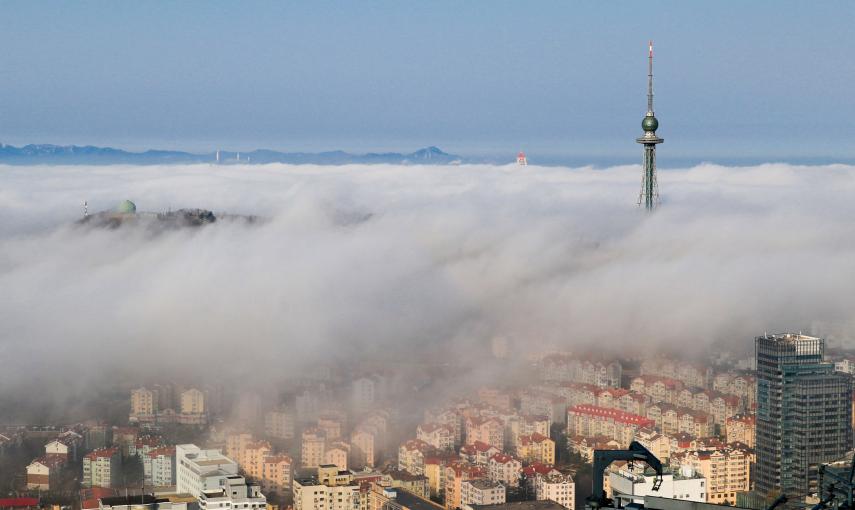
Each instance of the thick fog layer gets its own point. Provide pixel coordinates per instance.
(357, 261)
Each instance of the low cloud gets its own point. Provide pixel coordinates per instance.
(357, 260)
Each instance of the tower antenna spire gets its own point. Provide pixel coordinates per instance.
(650, 78)
(649, 194)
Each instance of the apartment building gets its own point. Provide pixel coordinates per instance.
(504, 469)
(536, 448)
(590, 421)
(727, 471)
(159, 466)
(481, 492)
(438, 435)
(101, 468)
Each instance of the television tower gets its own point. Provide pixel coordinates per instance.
(649, 195)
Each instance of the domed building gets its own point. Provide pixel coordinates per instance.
(126, 207)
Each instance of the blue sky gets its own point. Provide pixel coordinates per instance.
(765, 79)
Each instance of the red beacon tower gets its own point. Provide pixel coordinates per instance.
(521, 159)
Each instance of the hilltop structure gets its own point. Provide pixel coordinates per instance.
(649, 195)
(126, 213)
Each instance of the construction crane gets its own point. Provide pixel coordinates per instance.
(604, 458)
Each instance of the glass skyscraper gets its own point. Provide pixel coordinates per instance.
(804, 411)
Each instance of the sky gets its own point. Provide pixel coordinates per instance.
(765, 80)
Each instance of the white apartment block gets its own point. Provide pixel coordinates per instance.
(159, 467)
(558, 488)
(200, 470)
(101, 468)
(481, 492)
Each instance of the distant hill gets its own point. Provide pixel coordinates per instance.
(89, 155)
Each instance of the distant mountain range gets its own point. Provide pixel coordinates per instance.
(89, 155)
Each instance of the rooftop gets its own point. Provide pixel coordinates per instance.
(413, 502)
(145, 499)
(522, 505)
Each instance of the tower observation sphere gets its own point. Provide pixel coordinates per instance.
(650, 124)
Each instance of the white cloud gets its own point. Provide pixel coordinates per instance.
(447, 254)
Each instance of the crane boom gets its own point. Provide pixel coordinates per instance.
(604, 458)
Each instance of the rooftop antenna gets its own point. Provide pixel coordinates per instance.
(649, 195)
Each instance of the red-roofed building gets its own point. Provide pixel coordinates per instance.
(726, 468)
(634, 402)
(589, 421)
(101, 467)
(660, 389)
(455, 474)
(486, 430)
(505, 469)
(276, 474)
(438, 435)
(478, 453)
(697, 423)
(536, 448)
(741, 428)
(608, 397)
(411, 456)
(159, 466)
(585, 446)
(43, 472)
(681, 442)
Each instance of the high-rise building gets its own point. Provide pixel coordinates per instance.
(312, 447)
(192, 402)
(101, 468)
(803, 412)
(143, 402)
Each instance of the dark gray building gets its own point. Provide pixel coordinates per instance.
(804, 411)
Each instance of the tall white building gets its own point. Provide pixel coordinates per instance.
(101, 468)
(159, 467)
(201, 470)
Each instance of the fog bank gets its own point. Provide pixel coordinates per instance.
(357, 260)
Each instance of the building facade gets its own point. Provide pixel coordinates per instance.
(804, 413)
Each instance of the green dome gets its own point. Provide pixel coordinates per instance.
(649, 123)
(126, 207)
